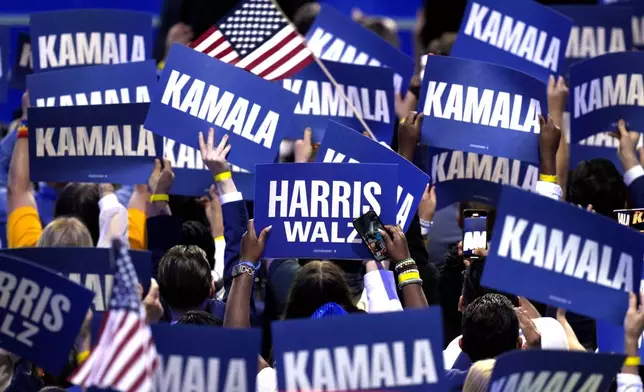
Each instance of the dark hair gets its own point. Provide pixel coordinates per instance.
(316, 284)
(196, 233)
(378, 26)
(599, 183)
(80, 200)
(490, 327)
(471, 205)
(472, 288)
(305, 16)
(199, 317)
(184, 277)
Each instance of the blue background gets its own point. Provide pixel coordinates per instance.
(15, 14)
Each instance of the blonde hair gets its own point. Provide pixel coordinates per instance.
(65, 231)
(479, 375)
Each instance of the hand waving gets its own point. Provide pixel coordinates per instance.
(409, 134)
(627, 142)
(304, 148)
(427, 205)
(214, 158)
(252, 246)
(161, 179)
(549, 138)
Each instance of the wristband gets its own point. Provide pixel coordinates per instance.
(22, 131)
(82, 356)
(632, 361)
(403, 264)
(410, 281)
(154, 198)
(250, 264)
(223, 176)
(220, 238)
(408, 275)
(548, 178)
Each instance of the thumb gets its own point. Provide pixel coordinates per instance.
(157, 166)
(307, 136)
(385, 236)
(621, 127)
(551, 83)
(154, 289)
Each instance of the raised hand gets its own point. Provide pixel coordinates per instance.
(162, 178)
(530, 331)
(214, 158)
(396, 243)
(557, 92)
(409, 134)
(304, 148)
(549, 138)
(152, 304)
(627, 142)
(427, 205)
(252, 246)
(180, 33)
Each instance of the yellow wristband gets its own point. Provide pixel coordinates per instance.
(220, 238)
(154, 198)
(82, 356)
(632, 361)
(548, 178)
(223, 176)
(161, 65)
(409, 275)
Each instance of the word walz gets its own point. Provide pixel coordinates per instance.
(216, 109)
(89, 48)
(111, 140)
(362, 367)
(36, 306)
(565, 253)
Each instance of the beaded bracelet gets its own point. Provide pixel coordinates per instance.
(404, 263)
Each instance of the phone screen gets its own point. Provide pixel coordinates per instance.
(474, 234)
(369, 226)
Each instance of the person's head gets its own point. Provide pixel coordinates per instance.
(385, 28)
(472, 288)
(199, 317)
(196, 233)
(65, 231)
(317, 283)
(479, 375)
(305, 16)
(598, 182)
(490, 327)
(80, 200)
(443, 45)
(184, 277)
(471, 205)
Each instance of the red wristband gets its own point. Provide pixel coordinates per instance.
(22, 131)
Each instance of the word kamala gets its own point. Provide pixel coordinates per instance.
(106, 97)
(491, 108)
(35, 304)
(599, 93)
(366, 367)
(547, 381)
(512, 36)
(177, 373)
(552, 249)
(111, 140)
(89, 48)
(217, 110)
(320, 200)
(322, 99)
(588, 42)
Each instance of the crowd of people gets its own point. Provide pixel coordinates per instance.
(207, 263)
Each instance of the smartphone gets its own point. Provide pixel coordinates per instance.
(369, 226)
(474, 231)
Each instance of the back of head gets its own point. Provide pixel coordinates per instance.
(490, 327)
(472, 288)
(598, 182)
(65, 231)
(199, 317)
(479, 375)
(81, 201)
(316, 284)
(196, 233)
(184, 277)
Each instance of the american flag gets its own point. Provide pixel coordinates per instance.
(256, 36)
(125, 357)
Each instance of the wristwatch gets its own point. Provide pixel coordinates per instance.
(245, 267)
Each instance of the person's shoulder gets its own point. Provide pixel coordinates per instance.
(455, 379)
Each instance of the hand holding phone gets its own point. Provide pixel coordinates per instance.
(368, 227)
(474, 232)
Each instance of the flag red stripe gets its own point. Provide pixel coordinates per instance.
(270, 51)
(224, 52)
(281, 61)
(215, 44)
(115, 355)
(137, 384)
(204, 36)
(303, 64)
(133, 357)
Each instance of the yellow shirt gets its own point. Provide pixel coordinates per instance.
(23, 228)
(136, 229)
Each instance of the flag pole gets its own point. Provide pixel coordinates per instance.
(331, 78)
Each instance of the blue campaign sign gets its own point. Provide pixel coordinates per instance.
(95, 85)
(41, 313)
(604, 90)
(547, 370)
(523, 35)
(399, 351)
(202, 358)
(89, 267)
(466, 176)
(197, 92)
(23, 62)
(481, 107)
(335, 37)
(564, 256)
(89, 37)
(311, 207)
(344, 145)
(637, 22)
(367, 88)
(610, 338)
(5, 74)
(102, 143)
(596, 31)
(580, 153)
